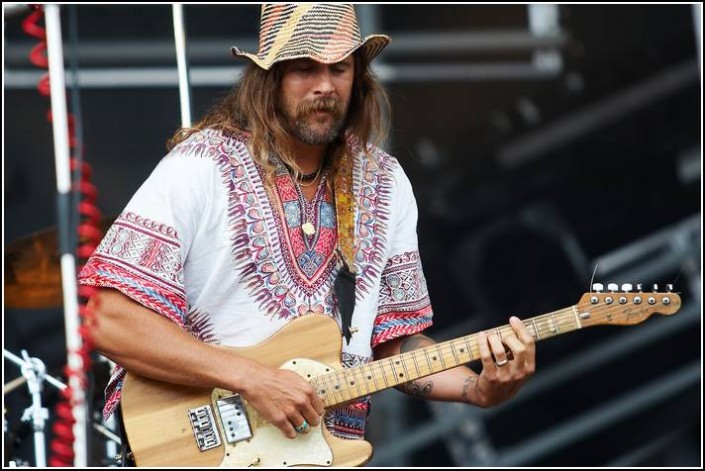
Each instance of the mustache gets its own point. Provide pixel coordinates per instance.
(330, 105)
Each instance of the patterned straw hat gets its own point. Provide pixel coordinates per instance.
(324, 32)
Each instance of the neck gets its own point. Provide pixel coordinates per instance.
(308, 157)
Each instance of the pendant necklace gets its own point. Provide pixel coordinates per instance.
(308, 209)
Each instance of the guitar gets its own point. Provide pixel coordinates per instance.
(175, 425)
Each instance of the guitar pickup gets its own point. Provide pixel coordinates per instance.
(233, 416)
(204, 427)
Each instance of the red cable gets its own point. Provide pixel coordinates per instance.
(89, 236)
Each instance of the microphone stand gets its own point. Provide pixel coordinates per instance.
(34, 371)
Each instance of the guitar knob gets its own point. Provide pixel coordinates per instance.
(597, 287)
(655, 287)
(627, 287)
(613, 287)
(669, 288)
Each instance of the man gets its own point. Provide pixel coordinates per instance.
(243, 228)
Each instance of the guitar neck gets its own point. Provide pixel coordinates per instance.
(352, 383)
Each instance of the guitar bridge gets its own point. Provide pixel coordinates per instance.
(204, 428)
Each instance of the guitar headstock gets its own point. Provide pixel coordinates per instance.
(625, 306)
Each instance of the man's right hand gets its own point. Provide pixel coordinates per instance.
(284, 399)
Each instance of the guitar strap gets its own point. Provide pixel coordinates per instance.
(344, 285)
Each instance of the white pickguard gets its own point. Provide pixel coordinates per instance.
(268, 447)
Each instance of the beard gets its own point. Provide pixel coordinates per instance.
(310, 129)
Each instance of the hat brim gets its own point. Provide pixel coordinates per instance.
(370, 47)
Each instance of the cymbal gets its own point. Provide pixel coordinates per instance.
(33, 270)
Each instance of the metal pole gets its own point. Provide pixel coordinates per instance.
(182, 64)
(68, 261)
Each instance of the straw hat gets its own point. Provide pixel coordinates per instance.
(324, 32)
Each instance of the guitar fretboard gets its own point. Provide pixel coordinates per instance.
(352, 383)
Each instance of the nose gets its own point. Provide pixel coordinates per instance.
(324, 83)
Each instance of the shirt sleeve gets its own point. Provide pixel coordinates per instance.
(404, 307)
(143, 253)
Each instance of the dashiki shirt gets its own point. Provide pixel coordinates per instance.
(204, 243)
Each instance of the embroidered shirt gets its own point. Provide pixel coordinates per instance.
(207, 245)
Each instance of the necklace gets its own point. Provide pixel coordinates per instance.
(309, 209)
(307, 177)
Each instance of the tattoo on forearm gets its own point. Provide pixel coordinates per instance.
(467, 384)
(416, 388)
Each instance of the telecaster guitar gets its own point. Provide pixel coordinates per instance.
(174, 425)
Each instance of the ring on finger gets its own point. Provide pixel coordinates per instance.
(302, 428)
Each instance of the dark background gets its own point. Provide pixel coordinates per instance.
(525, 180)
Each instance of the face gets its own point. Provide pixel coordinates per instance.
(314, 98)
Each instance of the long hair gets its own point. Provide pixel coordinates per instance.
(252, 107)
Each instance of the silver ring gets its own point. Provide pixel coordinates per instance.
(302, 428)
(501, 363)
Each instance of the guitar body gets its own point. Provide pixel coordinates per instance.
(161, 431)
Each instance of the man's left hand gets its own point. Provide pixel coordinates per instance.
(504, 369)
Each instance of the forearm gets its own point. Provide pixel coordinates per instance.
(456, 384)
(150, 345)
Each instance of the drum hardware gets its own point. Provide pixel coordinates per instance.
(33, 270)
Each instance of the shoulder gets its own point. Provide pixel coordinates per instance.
(216, 145)
(380, 169)
(376, 160)
(202, 156)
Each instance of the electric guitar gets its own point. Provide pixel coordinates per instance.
(174, 425)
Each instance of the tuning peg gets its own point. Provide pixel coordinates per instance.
(669, 288)
(597, 287)
(613, 287)
(655, 287)
(638, 287)
(627, 287)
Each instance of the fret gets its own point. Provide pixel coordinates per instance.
(327, 387)
(440, 355)
(538, 334)
(416, 365)
(361, 383)
(428, 360)
(364, 376)
(384, 374)
(323, 386)
(345, 388)
(355, 382)
(336, 386)
(372, 375)
(455, 355)
(394, 370)
(467, 342)
(499, 334)
(403, 365)
(541, 322)
(555, 324)
(577, 318)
